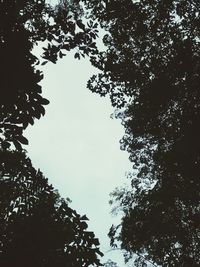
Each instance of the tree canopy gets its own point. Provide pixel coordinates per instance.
(23, 25)
(151, 70)
(37, 227)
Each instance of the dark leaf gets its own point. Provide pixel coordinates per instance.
(17, 145)
(44, 101)
(44, 62)
(77, 55)
(80, 24)
(22, 140)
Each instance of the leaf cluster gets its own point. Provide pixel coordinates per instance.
(23, 25)
(38, 228)
(151, 69)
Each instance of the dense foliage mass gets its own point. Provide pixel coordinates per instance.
(37, 227)
(23, 25)
(151, 68)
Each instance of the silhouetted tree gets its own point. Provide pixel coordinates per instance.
(151, 68)
(37, 227)
(23, 25)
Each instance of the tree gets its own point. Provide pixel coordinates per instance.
(23, 25)
(38, 228)
(151, 69)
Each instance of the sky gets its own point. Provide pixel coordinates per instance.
(76, 145)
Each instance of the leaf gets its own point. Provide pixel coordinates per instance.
(5, 145)
(72, 26)
(37, 114)
(25, 124)
(61, 55)
(93, 35)
(22, 139)
(44, 101)
(31, 121)
(93, 45)
(80, 25)
(99, 252)
(96, 241)
(17, 145)
(90, 24)
(66, 47)
(77, 55)
(84, 217)
(84, 225)
(44, 63)
(42, 110)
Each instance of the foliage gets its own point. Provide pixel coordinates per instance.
(23, 25)
(37, 227)
(110, 263)
(151, 68)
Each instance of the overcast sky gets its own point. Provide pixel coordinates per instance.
(76, 145)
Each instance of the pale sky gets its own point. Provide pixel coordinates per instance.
(76, 145)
